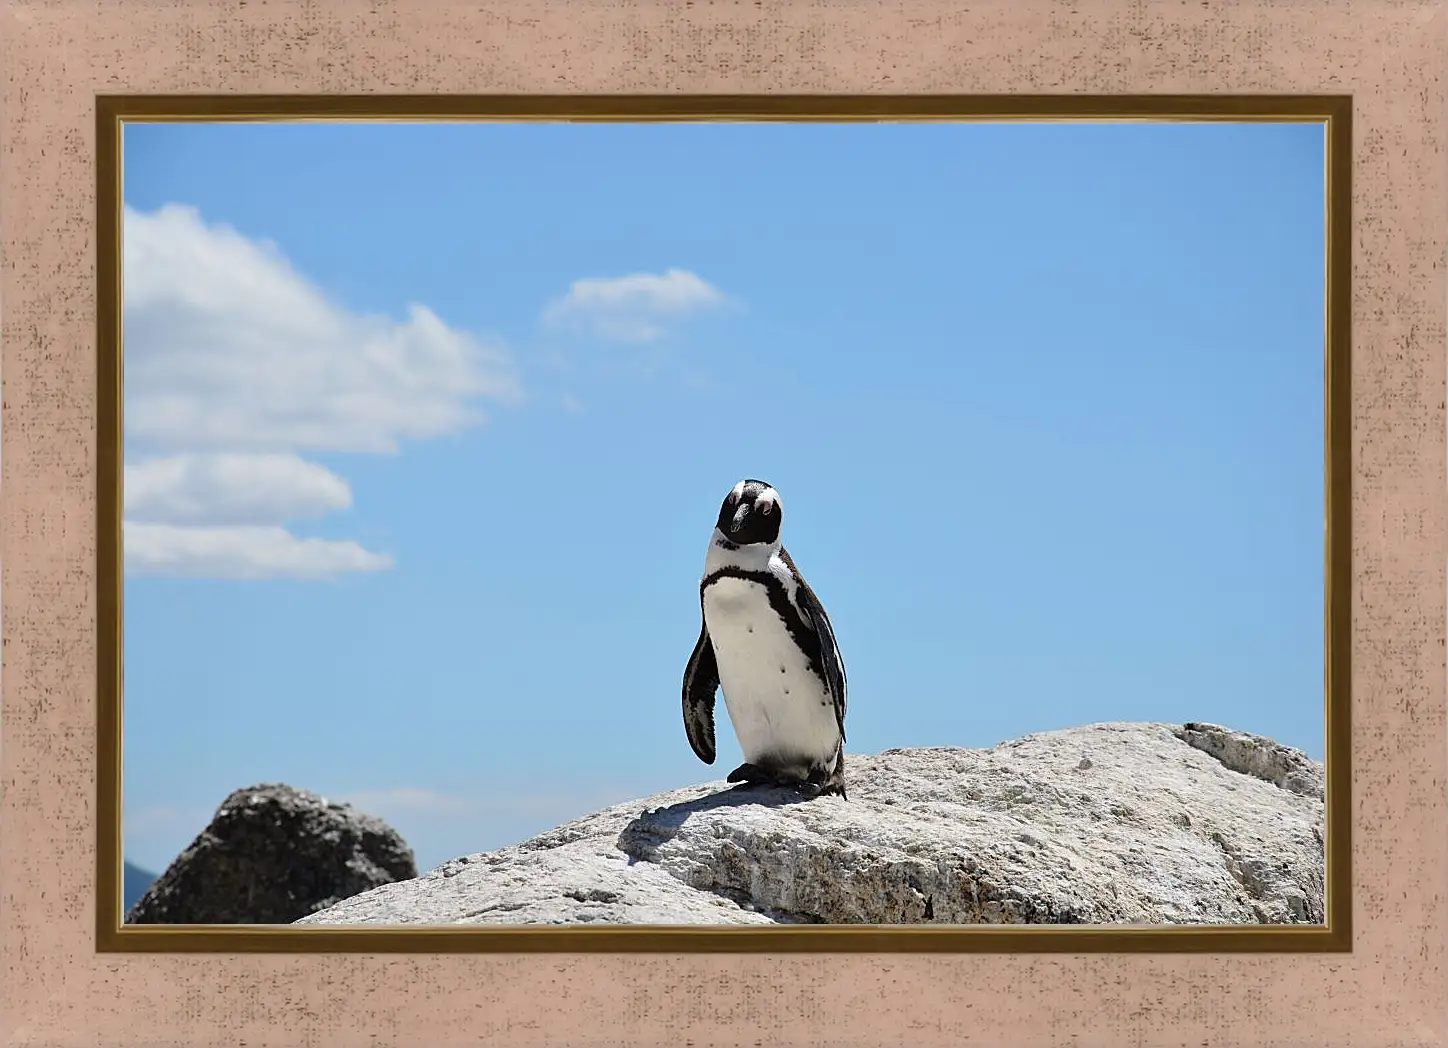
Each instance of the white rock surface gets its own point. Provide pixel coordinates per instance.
(1104, 824)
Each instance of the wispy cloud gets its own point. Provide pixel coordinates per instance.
(235, 363)
(246, 552)
(417, 801)
(155, 834)
(163, 817)
(407, 799)
(442, 826)
(438, 825)
(231, 488)
(638, 307)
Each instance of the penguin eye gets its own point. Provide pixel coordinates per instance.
(766, 507)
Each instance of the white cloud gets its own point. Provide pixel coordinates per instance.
(231, 489)
(632, 308)
(160, 818)
(156, 834)
(438, 826)
(234, 363)
(418, 801)
(441, 826)
(227, 347)
(408, 799)
(241, 552)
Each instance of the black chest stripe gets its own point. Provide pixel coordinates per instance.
(800, 632)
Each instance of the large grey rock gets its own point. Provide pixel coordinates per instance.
(270, 855)
(1105, 824)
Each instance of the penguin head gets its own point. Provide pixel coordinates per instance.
(751, 514)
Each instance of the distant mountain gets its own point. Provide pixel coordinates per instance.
(134, 882)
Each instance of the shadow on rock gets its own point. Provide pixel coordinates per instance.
(653, 826)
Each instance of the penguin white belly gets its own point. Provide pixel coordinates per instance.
(778, 706)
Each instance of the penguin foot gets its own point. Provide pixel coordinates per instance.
(837, 789)
(829, 781)
(821, 782)
(751, 775)
(825, 786)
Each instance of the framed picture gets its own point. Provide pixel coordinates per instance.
(725, 535)
(995, 364)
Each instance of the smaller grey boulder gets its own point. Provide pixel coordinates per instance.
(273, 854)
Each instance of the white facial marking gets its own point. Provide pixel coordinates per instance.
(737, 493)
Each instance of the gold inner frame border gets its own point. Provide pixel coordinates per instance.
(1333, 111)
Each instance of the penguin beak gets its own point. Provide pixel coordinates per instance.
(739, 515)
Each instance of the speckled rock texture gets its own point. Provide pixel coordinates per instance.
(272, 854)
(1104, 824)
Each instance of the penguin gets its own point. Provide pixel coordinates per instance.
(765, 638)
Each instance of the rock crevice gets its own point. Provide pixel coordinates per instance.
(1257, 756)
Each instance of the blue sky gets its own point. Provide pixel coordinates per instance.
(427, 427)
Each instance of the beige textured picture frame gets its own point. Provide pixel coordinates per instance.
(59, 989)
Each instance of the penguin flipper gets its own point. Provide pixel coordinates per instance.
(701, 682)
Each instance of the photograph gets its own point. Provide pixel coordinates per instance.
(738, 523)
